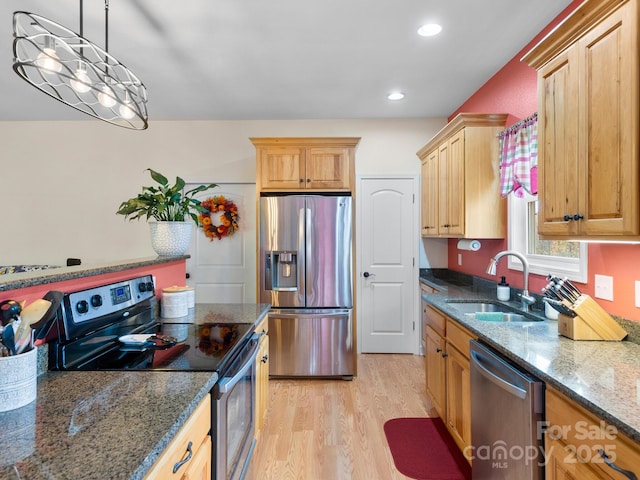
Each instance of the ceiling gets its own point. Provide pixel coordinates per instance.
(288, 59)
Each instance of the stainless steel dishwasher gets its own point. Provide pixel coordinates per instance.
(507, 415)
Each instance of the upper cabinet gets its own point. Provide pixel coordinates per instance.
(293, 164)
(461, 181)
(588, 108)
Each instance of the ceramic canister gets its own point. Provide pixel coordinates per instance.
(176, 301)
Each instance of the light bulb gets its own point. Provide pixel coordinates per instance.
(429, 30)
(126, 111)
(106, 97)
(81, 82)
(49, 61)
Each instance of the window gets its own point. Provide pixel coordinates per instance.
(557, 257)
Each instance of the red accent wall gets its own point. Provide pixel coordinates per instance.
(513, 90)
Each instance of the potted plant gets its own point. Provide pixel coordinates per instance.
(171, 208)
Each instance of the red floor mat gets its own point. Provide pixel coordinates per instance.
(423, 449)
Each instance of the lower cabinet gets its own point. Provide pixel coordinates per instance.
(262, 376)
(448, 373)
(435, 370)
(580, 445)
(188, 456)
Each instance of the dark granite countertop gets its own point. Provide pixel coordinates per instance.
(602, 376)
(88, 425)
(59, 274)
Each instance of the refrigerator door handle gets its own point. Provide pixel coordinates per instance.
(308, 253)
(303, 260)
(333, 313)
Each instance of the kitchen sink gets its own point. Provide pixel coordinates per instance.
(489, 311)
(473, 307)
(500, 317)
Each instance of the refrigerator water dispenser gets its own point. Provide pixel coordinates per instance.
(281, 271)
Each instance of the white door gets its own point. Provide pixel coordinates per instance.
(224, 270)
(388, 235)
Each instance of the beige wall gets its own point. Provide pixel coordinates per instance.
(62, 182)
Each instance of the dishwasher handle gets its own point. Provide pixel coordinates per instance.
(499, 381)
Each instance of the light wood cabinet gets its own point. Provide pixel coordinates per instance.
(588, 121)
(292, 164)
(188, 456)
(424, 289)
(262, 376)
(429, 201)
(448, 374)
(575, 439)
(461, 182)
(435, 370)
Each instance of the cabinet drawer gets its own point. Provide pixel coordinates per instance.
(263, 326)
(435, 320)
(195, 430)
(584, 435)
(458, 337)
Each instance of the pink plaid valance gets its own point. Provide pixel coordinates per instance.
(519, 157)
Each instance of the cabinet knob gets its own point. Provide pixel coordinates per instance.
(302, 180)
(265, 359)
(575, 216)
(445, 355)
(308, 180)
(438, 350)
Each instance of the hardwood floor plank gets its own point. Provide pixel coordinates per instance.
(320, 429)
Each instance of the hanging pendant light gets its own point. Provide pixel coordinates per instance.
(76, 72)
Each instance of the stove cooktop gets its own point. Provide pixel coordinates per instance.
(92, 327)
(201, 347)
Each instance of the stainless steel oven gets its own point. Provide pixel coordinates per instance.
(234, 400)
(113, 327)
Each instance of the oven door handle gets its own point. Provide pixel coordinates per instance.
(226, 384)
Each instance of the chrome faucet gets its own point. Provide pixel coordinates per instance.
(526, 299)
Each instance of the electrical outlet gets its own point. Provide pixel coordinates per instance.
(604, 287)
(459, 259)
(637, 295)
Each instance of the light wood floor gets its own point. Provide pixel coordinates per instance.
(333, 429)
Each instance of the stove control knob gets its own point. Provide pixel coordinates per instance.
(82, 307)
(149, 286)
(96, 301)
(142, 287)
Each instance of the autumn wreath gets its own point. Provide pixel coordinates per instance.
(228, 217)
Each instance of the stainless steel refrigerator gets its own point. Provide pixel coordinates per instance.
(305, 263)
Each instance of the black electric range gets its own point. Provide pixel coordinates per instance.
(114, 327)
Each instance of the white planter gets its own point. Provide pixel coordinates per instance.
(170, 238)
(18, 380)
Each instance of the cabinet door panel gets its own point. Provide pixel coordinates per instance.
(435, 370)
(557, 146)
(609, 122)
(443, 189)
(328, 168)
(456, 188)
(430, 195)
(282, 167)
(458, 397)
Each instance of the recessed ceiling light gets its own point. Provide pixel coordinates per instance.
(429, 30)
(395, 96)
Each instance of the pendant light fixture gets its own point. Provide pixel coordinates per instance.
(75, 71)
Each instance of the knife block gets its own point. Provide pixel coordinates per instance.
(591, 322)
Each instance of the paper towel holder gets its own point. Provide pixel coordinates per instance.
(472, 245)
